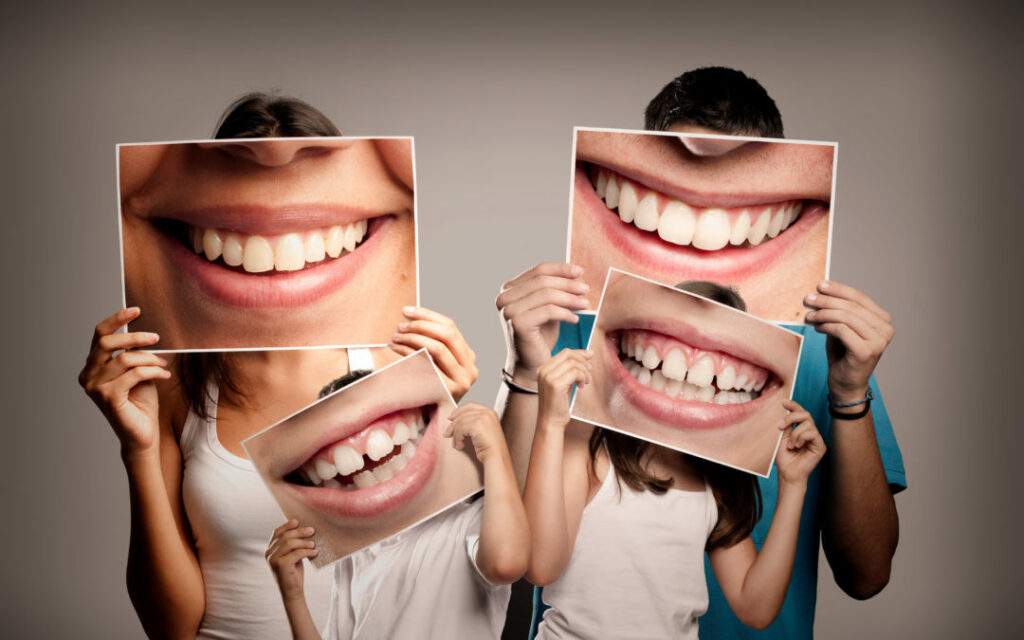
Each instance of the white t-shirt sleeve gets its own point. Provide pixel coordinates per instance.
(473, 517)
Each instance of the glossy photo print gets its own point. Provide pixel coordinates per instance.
(674, 367)
(369, 460)
(268, 243)
(751, 213)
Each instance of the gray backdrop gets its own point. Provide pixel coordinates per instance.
(919, 98)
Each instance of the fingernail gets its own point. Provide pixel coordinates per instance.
(403, 326)
(810, 315)
(825, 284)
(395, 338)
(811, 297)
(152, 337)
(576, 270)
(584, 286)
(133, 309)
(408, 309)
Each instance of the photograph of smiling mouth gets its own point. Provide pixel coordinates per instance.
(688, 385)
(707, 228)
(370, 468)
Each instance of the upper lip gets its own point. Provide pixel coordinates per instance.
(670, 186)
(697, 338)
(343, 429)
(256, 219)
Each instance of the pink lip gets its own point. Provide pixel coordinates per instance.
(382, 497)
(275, 289)
(267, 221)
(684, 414)
(726, 265)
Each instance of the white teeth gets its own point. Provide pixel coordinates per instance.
(310, 472)
(624, 344)
(644, 376)
(259, 256)
(677, 223)
(212, 245)
(760, 384)
(740, 229)
(658, 381)
(673, 387)
(689, 391)
(775, 226)
(701, 372)
(335, 241)
(233, 251)
(674, 366)
(727, 378)
(352, 236)
(347, 460)
(759, 228)
(741, 381)
(712, 232)
(627, 204)
(384, 472)
(705, 394)
(650, 359)
(408, 450)
(738, 397)
(402, 434)
(325, 469)
(602, 183)
(378, 445)
(638, 352)
(290, 254)
(611, 195)
(197, 240)
(316, 250)
(646, 213)
(364, 479)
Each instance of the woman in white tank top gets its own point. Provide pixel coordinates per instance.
(201, 516)
(619, 527)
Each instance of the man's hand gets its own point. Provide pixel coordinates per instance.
(858, 332)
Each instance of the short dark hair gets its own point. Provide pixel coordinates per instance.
(343, 381)
(263, 115)
(714, 291)
(717, 98)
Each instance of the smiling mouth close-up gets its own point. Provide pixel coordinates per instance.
(378, 467)
(677, 380)
(723, 237)
(255, 257)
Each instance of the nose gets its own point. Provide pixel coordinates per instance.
(273, 153)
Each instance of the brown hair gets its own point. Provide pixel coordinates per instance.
(254, 115)
(737, 494)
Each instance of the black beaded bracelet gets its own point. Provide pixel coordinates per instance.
(513, 386)
(837, 415)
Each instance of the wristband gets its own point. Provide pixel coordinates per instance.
(838, 415)
(513, 386)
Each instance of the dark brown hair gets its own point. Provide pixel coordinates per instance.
(254, 115)
(737, 494)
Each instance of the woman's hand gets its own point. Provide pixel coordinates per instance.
(858, 333)
(289, 545)
(124, 386)
(532, 304)
(481, 425)
(802, 446)
(441, 337)
(554, 381)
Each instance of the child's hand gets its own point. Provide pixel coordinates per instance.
(481, 425)
(555, 379)
(290, 544)
(802, 446)
(441, 337)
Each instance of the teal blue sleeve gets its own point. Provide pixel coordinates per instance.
(574, 336)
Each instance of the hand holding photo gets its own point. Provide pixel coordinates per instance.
(268, 243)
(687, 368)
(369, 460)
(750, 213)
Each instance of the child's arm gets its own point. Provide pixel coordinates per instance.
(557, 482)
(285, 552)
(504, 534)
(755, 583)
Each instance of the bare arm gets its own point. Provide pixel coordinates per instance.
(531, 305)
(504, 533)
(755, 583)
(861, 526)
(557, 484)
(163, 577)
(289, 545)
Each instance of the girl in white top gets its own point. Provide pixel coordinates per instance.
(201, 516)
(619, 527)
(445, 578)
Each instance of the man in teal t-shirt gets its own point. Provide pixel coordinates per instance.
(849, 506)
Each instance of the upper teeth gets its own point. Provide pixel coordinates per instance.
(687, 372)
(679, 223)
(345, 460)
(288, 252)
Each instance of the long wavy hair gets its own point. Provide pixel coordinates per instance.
(737, 494)
(254, 115)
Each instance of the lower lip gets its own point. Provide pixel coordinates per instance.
(647, 249)
(382, 497)
(287, 289)
(676, 412)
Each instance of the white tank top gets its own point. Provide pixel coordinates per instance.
(637, 570)
(232, 515)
